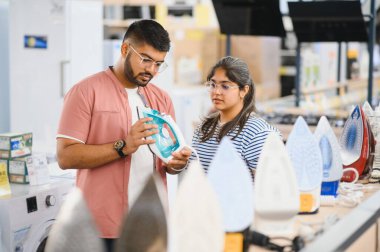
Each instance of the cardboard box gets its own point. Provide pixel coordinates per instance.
(263, 57)
(18, 179)
(195, 51)
(19, 166)
(14, 145)
(18, 169)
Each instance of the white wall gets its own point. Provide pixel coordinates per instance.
(4, 66)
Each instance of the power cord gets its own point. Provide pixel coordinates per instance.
(259, 239)
(310, 230)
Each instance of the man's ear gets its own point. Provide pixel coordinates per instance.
(124, 49)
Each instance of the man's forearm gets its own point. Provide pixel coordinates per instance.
(85, 156)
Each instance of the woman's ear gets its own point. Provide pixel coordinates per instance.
(244, 91)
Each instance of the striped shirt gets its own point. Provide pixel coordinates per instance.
(248, 143)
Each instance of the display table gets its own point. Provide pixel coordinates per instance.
(356, 230)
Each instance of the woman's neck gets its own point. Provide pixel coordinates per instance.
(229, 115)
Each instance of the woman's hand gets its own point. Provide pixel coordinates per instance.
(179, 161)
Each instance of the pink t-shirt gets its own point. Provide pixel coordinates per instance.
(96, 111)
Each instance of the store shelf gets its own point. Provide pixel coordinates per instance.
(356, 229)
(118, 23)
(288, 70)
(350, 228)
(131, 2)
(351, 84)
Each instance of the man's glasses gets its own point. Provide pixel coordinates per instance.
(159, 66)
(224, 87)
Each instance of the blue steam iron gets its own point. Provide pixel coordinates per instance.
(331, 158)
(169, 137)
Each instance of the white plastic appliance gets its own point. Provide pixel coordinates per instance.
(306, 159)
(53, 45)
(27, 215)
(331, 158)
(169, 138)
(277, 196)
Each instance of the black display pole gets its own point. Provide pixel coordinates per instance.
(228, 45)
(298, 70)
(371, 42)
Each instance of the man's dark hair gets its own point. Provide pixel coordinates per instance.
(149, 32)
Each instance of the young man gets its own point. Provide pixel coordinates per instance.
(100, 134)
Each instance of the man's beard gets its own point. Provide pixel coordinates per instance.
(128, 73)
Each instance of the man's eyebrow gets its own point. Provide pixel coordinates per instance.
(149, 57)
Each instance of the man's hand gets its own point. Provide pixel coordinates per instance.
(179, 160)
(137, 134)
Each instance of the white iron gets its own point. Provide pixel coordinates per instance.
(232, 182)
(277, 198)
(145, 224)
(306, 158)
(74, 229)
(331, 157)
(169, 138)
(196, 219)
(368, 111)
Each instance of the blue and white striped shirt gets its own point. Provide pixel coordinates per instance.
(248, 143)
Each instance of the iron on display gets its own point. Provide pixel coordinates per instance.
(75, 229)
(232, 182)
(355, 144)
(277, 198)
(197, 228)
(373, 120)
(306, 159)
(169, 137)
(145, 225)
(331, 157)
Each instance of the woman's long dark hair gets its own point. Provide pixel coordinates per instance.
(237, 71)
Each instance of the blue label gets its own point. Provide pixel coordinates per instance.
(330, 188)
(15, 144)
(39, 42)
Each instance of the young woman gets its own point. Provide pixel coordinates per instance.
(232, 93)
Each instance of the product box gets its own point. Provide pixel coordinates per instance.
(263, 57)
(18, 169)
(195, 51)
(5, 162)
(18, 179)
(14, 145)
